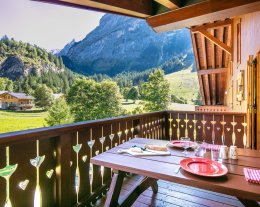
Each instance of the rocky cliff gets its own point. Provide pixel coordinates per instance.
(18, 59)
(122, 43)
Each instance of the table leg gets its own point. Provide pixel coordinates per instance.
(137, 190)
(155, 187)
(248, 203)
(115, 188)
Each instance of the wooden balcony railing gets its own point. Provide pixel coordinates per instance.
(51, 166)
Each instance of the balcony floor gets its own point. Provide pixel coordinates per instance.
(172, 195)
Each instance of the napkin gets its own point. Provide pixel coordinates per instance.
(252, 175)
(139, 152)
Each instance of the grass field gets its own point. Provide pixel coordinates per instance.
(16, 121)
(130, 105)
(184, 84)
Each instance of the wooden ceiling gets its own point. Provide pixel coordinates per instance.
(135, 8)
(166, 15)
(212, 44)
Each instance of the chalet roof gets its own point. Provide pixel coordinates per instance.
(17, 95)
(21, 95)
(2, 92)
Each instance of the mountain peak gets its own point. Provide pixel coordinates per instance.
(67, 47)
(121, 43)
(5, 37)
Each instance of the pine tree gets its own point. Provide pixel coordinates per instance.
(43, 97)
(133, 94)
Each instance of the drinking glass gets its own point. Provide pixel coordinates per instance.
(199, 149)
(214, 154)
(186, 144)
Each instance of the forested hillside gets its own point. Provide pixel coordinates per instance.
(27, 65)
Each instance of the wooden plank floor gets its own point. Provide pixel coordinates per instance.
(176, 195)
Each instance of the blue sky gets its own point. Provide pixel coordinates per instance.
(46, 25)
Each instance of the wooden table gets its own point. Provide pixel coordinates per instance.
(154, 168)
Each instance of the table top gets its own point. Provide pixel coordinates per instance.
(163, 167)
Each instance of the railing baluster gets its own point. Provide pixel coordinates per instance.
(244, 124)
(213, 122)
(63, 171)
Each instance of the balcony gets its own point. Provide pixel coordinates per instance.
(53, 164)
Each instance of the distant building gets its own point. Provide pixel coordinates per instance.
(15, 101)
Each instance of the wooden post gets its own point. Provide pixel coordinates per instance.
(258, 102)
(63, 185)
(248, 105)
(165, 126)
(253, 88)
(251, 125)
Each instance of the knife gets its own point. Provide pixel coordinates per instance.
(177, 170)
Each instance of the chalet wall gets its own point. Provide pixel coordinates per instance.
(250, 45)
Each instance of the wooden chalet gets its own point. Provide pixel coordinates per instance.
(15, 101)
(74, 164)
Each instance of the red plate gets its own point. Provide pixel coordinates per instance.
(179, 143)
(203, 167)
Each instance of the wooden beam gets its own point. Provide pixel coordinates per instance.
(216, 41)
(220, 36)
(232, 40)
(227, 58)
(213, 25)
(135, 8)
(204, 53)
(201, 13)
(205, 77)
(194, 44)
(219, 77)
(213, 88)
(212, 71)
(170, 4)
(213, 76)
(226, 42)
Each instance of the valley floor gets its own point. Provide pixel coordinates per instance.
(16, 121)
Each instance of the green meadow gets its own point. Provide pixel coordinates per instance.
(184, 84)
(16, 121)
